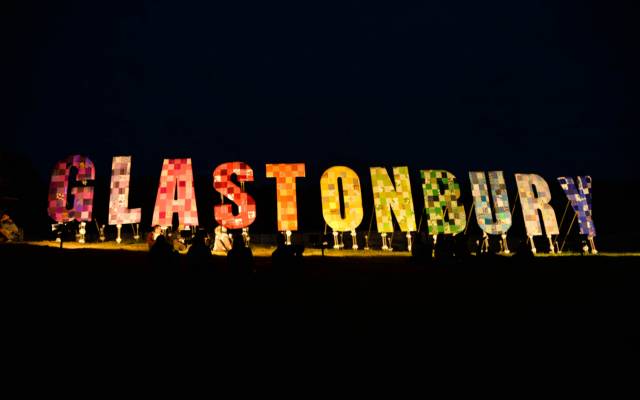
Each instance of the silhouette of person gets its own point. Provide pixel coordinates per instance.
(523, 251)
(444, 248)
(199, 255)
(283, 257)
(421, 249)
(461, 248)
(162, 256)
(240, 257)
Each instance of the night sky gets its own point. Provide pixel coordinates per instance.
(533, 86)
(547, 87)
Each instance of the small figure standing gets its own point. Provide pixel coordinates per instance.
(222, 241)
(199, 256)
(153, 235)
(9, 232)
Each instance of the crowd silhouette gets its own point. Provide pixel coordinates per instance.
(287, 259)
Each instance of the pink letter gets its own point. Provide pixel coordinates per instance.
(119, 212)
(82, 196)
(176, 175)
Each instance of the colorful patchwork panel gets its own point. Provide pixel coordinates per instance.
(119, 212)
(246, 205)
(82, 195)
(387, 198)
(286, 175)
(580, 198)
(177, 175)
(437, 201)
(351, 194)
(484, 215)
(531, 204)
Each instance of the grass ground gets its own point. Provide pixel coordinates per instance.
(557, 299)
(265, 251)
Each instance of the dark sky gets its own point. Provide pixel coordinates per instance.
(524, 86)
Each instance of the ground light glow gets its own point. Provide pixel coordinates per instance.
(265, 251)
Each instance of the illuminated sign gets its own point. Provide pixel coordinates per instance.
(71, 199)
(580, 198)
(82, 196)
(246, 205)
(532, 203)
(119, 212)
(439, 202)
(388, 197)
(286, 196)
(480, 192)
(176, 194)
(351, 197)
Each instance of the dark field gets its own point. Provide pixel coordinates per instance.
(545, 301)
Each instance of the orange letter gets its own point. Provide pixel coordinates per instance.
(286, 175)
